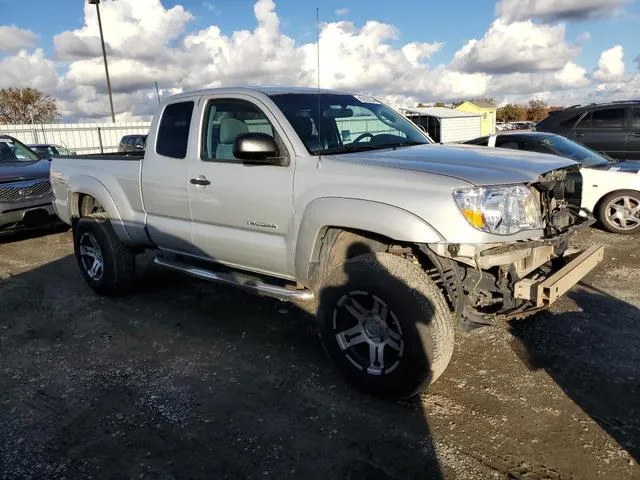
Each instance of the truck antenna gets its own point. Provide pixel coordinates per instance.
(318, 72)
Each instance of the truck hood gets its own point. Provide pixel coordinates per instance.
(476, 165)
(17, 171)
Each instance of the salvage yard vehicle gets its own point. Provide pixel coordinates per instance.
(611, 188)
(25, 192)
(336, 199)
(612, 128)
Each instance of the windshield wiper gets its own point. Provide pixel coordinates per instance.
(363, 147)
(349, 148)
(408, 143)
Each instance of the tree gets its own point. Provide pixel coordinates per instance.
(26, 105)
(537, 110)
(439, 104)
(511, 112)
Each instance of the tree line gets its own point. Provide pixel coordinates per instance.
(534, 110)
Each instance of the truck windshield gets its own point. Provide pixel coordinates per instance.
(566, 148)
(346, 123)
(13, 151)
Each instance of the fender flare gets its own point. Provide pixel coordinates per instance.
(370, 216)
(86, 185)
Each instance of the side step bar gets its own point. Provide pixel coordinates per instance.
(237, 280)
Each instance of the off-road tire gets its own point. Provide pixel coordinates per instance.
(604, 207)
(118, 270)
(414, 303)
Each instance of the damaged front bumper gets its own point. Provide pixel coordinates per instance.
(543, 291)
(511, 280)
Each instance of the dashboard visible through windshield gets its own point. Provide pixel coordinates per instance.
(346, 123)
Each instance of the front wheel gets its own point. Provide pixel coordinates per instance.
(620, 212)
(107, 264)
(385, 325)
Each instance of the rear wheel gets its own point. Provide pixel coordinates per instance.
(107, 264)
(385, 325)
(620, 212)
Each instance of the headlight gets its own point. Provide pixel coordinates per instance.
(501, 210)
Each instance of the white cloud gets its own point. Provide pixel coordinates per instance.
(553, 10)
(342, 11)
(571, 76)
(516, 47)
(28, 69)
(14, 39)
(610, 65)
(132, 29)
(147, 42)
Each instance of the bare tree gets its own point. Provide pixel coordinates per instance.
(26, 105)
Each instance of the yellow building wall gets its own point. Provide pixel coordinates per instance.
(488, 119)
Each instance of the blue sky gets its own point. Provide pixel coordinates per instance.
(565, 51)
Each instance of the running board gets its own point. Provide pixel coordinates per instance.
(247, 283)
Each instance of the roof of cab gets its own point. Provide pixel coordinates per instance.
(267, 90)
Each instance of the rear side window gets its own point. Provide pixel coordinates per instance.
(609, 118)
(173, 132)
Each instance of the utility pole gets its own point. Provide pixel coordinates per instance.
(104, 55)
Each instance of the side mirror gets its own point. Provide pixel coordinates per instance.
(257, 148)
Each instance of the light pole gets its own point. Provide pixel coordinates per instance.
(104, 55)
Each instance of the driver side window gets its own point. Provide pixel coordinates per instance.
(225, 120)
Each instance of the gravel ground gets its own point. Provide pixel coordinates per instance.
(183, 379)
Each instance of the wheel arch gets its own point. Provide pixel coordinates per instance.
(376, 224)
(83, 186)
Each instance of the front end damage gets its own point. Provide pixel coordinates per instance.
(508, 280)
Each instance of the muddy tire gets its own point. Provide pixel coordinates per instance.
(385, 325)
(107, 264)
(619, 212)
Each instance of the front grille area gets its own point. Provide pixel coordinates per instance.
(560, 194)
(19, 191)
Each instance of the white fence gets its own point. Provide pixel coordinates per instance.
(78, 137)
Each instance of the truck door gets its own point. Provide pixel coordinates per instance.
(603, 130)
(164, 180)
(241, 214)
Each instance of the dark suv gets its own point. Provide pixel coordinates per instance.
(610, 128)
(132, 143)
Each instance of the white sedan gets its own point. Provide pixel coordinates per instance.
(611, 188)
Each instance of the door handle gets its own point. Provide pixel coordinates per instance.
(200, 180)
(579, 134)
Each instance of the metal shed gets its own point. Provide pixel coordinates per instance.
(445, 124)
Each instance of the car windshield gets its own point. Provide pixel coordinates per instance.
(566, 148)
(347, 123)
(13, 151)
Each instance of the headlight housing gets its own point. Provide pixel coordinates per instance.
(500, 210)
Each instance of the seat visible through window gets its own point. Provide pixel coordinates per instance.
(230, 128)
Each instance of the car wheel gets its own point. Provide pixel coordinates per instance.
(106, 263)
(620, 212)
(385, 325)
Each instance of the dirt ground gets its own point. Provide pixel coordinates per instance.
(183, 379)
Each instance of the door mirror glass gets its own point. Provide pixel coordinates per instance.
(256, 147)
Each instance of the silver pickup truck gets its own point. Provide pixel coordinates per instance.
(339, 201)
